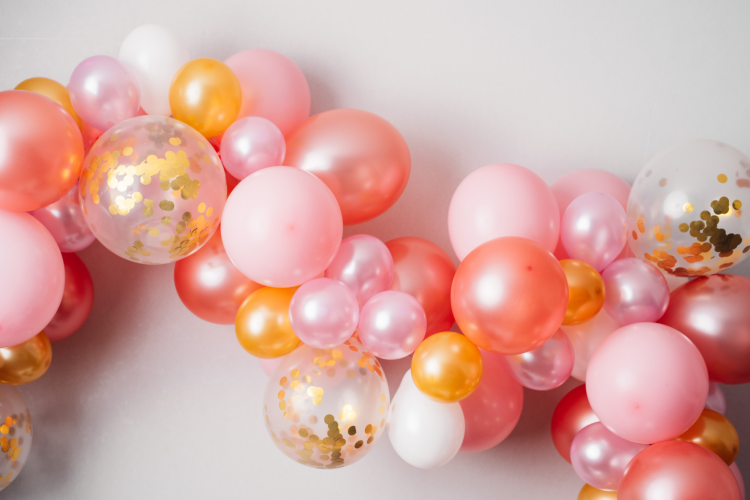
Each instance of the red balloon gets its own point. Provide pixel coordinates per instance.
(209, 285)
(77, 300)
(42, 151)
(677, 470)
(572, 414)
(423, 269)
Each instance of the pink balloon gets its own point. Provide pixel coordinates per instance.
(636, 291)
(738, 476)
(392, 324)
(546, 367)
(64, 220)
(647, 383)
(716, 400)
(269, 365)
(600, 457)
(323, 313)
(272, 87)
(250, 144)
(281, 226)
(586, 338)
(593, 229)
(32, 276)
(364, 264)
(502, 200)
(104, 92)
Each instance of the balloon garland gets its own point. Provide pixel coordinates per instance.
(218, 167)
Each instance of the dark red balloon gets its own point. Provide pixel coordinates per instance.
(77, 301)
(572, 414)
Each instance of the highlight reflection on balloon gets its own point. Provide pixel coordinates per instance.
(16, 441)
(714, 432)
(26, 362)
(262, 324)
(65, 221)
(447, 367)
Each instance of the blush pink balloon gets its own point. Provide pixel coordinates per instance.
(586, 338)
(250, 144)
(64, 220)
(647, 383)
(546, 367)
(281, 227)
(636, 291)
(32, 276)
(364, 264)
(716, 400)
(738, 476)
(502, 200)
(323, 313)
(593, 229)
(392, 324)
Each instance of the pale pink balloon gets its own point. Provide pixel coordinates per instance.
(586, 338)
(323, 313)
(269, 365)
(636, 291)
(392, 324)
(738, 476)
(281, 226)
(502, 200)
(364, 264)
(546, 367)
(64, 220)
(716, 400)
(250, 144)
(32, 277)
(647, 383)
(593, 229)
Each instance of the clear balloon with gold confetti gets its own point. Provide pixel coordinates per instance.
(326, 408)
(15, 434)
(152, 189)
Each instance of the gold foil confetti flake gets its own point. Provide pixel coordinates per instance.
(283, 381)
(112, 182)
(288, 443)
(137, 197)
(175, 141)
(164, 185)
(641, 227)
(180, 228)
(369, 439)
(282, 405)
(663, 182)
(368, 429)
(201, 208)
(307, 379)
(303, 433)
(382, 409)
(295, 385)
(684, 228)
(127, 151)
(152, 231)
(382, 423)
(295, 373)
(352, 430)
(166, 205)
(687, 208)
(358, 444)
(282, 394)
(353, 348)
(720, 206)
(328, 419)
(313, 438)
(186, 216)
(114, 138)
(382, 397)
(659, 237)
(4, 428)
(316, 393)
(207, 159)
(166, 220)
(746, 249)
(145, 179)
(721, 178)
(325, 458)
(313, 419)
(210, 211)
(113, 209)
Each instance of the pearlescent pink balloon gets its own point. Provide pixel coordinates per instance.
(593, 228)
(600, 457)
(586, 338)
(104, 92)
(716, 400)
(364, 264)
(250, 144)
(64, 220)
(647, 383)
(323, 313)
(738, 476)
(546, 367)
(502, 200)
(636, 291)
(392, 324)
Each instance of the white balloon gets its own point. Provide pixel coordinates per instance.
(424, 433)
(154, 54)
(586, 337)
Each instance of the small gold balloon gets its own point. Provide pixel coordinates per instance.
(447, 367)
(585, 291)
(588, 492)
(714, 432)
(24, 363)
(55, 91)
(262, 323)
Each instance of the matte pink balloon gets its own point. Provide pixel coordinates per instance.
(364, 264)
(546, 367)
(250, 144)
(281, 227)
(392, 324)
(593, 229)
(64, 220)
(502, 200)
(586, 338)
(323, 313)
(32, 277)
(636, 291)
(104, 92)
(738, 476)
(647, 383)
(716, 400)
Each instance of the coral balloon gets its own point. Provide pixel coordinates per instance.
(361, 157)
(636, 292)
(592, 229)
(586, 338)
(585, 292)
(738, 476)
(323, 313)
(77, 300)
(716, 400)
(25, 362)
(251, 144)
(392, 324)
(262, 325)
(65, 221)
(16, 416)
(502, 322)
(364, 264)
(447, 367)
(545, 367)
(90, 135)
(588, 492)
(714, 432)
(55, 91)
(572, 414)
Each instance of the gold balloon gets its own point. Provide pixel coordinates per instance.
(447, 367)
(585, 291)
(714, 432)
(206, 95)
(24, 363)
(588, 492)
(55, 91)
(262, 323)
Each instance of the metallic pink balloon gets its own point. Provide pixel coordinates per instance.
(64, 220)
(738, 476)
(716, 400)
(546, 367)
(636, 291)
(364, 264)
(593, 229)
(250, 144)
(323, 313)
(392, 324)
(600, 457)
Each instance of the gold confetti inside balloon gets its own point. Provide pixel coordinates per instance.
(15, 434)
(326, 408)
(152, 189)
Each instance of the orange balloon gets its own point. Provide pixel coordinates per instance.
(55, 91)
(588, 492)
(447, 367)
(26, 362)
(585, 291)
(714, 432)
(262, 324)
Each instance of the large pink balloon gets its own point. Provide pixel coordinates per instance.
(32, 278)
(647, 383)
(281, 227)
(637, 291)
(323, 313)
(64, 220)
(364, 264)
(250, 144)
(392, 324)
(546, 367)
(502, 200)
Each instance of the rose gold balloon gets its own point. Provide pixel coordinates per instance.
(26, 362)
(77, 301)
(714, 432)
(572, 414)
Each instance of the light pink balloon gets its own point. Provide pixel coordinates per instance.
(323, 313)
(738, 476)
(647, 383)
(64, 220)
(502, 200)
(104, 92)
(392, 324)
(281, 226)
(593, 229)
(716, 400)
(364, 264)
(32, 277)
(586, 338)
(546, 367)
(636, 291)
(250, 144)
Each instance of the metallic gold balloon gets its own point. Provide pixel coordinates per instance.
(24, 363)
(262, 323)
(447, 367)
(55, 91)
(588, 492)
(585, 291)
(714, 432)
(206, 95)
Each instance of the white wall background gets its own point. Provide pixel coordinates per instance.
(147, 401)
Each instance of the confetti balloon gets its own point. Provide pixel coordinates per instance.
(25, 362)
(65, 221)
(714, 432)
(153, 189)
(16, 431)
